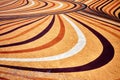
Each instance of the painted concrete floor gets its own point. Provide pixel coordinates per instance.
(59, 39)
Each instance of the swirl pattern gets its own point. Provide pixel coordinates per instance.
(59, 39)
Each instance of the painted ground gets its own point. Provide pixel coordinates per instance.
(59, 39)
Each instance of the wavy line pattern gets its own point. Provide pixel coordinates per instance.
(59, 39)
(109, 7)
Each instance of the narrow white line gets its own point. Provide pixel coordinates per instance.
(60, 6)
(77, 48)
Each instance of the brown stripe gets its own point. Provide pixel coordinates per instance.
(49, 44)
(22, 33)
(88, 20)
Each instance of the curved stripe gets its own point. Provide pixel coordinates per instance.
(33, 38)
(92, 22)
(105, 4)
(88, 2)
(105, 57)
(112, 22)
(27, 6)
(49, 44)
(101, 21)
(101, 4)
(40, 6)
(9, 3)
(22, 33)
(14, 23)
(60, 5)
(43, 11)
(77, 48)
(118, 13)
(10, 22)
(27, 2)
(89, 6)
(18, 27)
(19, 3)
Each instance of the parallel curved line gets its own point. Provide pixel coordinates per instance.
(27, 6)
(60, 6)
(33, 38)
(100, 18)
(104, 7)
(32, 3)
(7, 23)
(5, 26)
(89, 1)
(77, 48)
(7, 32)
(45, 4)
(24, 32)
(49, 44)
(9, 3)
(91, 22)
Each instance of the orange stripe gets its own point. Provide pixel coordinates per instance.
(17, 23)
(113, 7)
(49, 44)
(24, 31)
(118, 36)
(53, 4)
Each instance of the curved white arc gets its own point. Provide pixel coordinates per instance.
(60, 6)
(77, 48)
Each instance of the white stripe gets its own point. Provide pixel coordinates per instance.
(77, 48)
(60, 3)
(60, 6)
